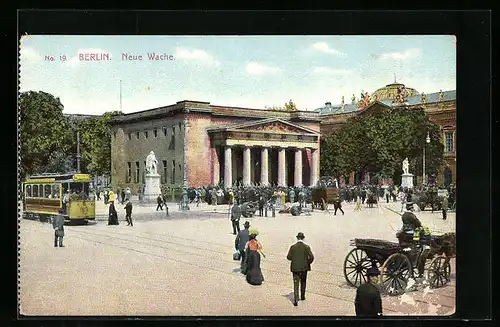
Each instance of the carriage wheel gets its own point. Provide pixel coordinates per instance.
(395, 273)
(356, 264)
(438, 274)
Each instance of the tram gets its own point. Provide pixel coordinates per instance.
(43, 197)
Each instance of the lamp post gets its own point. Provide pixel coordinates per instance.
(427, 140)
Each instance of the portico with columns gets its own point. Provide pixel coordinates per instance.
(268, 151)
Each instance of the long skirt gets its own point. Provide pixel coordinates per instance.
(253, 272)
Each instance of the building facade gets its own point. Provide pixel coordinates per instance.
(439, 106)
(198, 144)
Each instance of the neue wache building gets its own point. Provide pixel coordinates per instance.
(198, 144)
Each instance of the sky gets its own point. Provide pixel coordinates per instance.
(239, 71)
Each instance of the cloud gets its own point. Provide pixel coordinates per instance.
(254, 68)
(29, 55)
(408, 54)
(196, 55)
(74, 61)
(332, 71)
(324, 47)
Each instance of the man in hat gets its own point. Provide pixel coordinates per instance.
(239, 243)
(235, 218)
(301, 257)
(58, 225)
(128, 213)
(368, 302)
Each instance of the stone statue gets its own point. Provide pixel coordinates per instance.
(353, 99)
(424, 98)
(441, 96)
(406, 166)
(151, 163)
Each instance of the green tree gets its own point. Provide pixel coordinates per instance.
(290, 106)
(379, 140)
(43, 133)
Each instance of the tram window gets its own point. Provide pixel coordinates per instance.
(35, 191)
(75, 188)
(47, 192)
(55, 191)
(28, 190)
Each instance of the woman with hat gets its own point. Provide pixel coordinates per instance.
(368, 302)
(253, 250)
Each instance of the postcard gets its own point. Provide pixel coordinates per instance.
(305, 175)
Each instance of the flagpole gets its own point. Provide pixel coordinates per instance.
(120, 95)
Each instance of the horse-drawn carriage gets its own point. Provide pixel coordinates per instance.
(428, 198)
(397, 262)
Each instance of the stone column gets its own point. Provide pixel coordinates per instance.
(298, 167)
(228, 169)
(314, 166)
(264, 171)
(247, 165)
(282, 167)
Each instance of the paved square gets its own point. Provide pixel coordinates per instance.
(182, 265)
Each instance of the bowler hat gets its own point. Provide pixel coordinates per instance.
(372, 271)
(246, 224)
(300, 236)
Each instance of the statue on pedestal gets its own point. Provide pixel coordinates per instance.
(151, 164)
(406, 166)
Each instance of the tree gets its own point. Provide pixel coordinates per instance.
(43, 132)
(379, 140)
(290, 106)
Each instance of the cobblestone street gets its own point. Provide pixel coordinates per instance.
(182, 265)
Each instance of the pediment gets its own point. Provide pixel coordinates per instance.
(272, 125)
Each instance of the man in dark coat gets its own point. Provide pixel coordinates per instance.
(159, 200)
(128, 213)
(235, 218)
(123, 196)
(239, 243)
(301, 257)
(58, 225)
(368, 302)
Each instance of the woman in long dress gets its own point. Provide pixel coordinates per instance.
(253, 272)
(113, 215)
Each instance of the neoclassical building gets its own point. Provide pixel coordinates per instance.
(439, 106)
(198, 144)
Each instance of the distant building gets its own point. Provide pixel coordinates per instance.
(439, 106)
(199, 144)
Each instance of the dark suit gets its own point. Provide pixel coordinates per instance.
(239, 244)
(368, 302)
(301, 257)
(58, 225)
(128, 213)
(235, 218)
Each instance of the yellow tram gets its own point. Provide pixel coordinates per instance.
(44, 195)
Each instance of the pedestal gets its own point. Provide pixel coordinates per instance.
(152, 189)
(407, 180)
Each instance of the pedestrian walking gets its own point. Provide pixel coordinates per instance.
(301, 257)
(444, 207)
(58, 225)
(253, 250)
(128, 213)
(112, 215)
(123, 196)
(262, 203)
(235, 218)
(337, 205)
(159, 200)
(368, 302)
(239, 243)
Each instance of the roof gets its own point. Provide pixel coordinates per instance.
(246, 125)
(411, 101)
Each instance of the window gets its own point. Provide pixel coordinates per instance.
(155, 132)
(172, 140)
(28, 190)
(137, 135)
(146, 134)
(164, 131)
(180, 127)
(164, 171)
(55, 191)
(173, 172)
(129, 172)
(35, 191)
(448, 146)
(137, 172)
(47, 190)
(129, 136)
